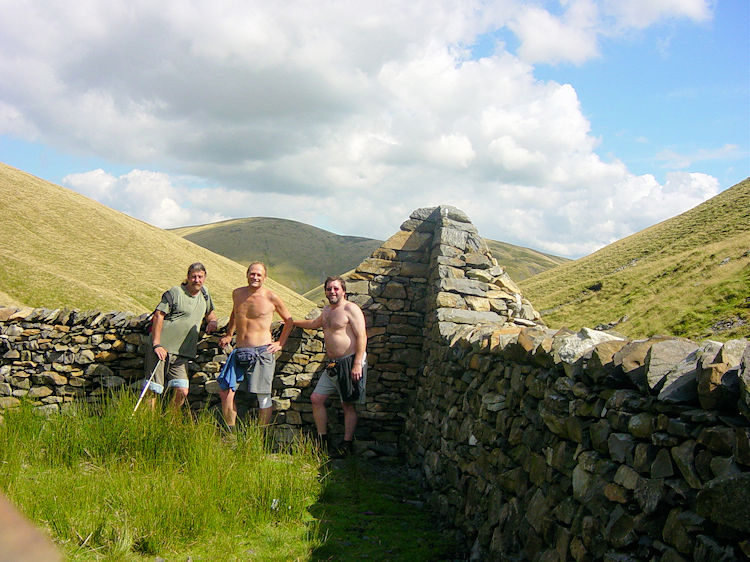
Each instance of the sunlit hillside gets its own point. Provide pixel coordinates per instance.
(687, 276)
(61, 249)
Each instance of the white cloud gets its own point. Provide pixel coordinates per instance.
(547, 38)
(150, 196)
(573, 35)
(344, 115)
(675, 161)
(642, 13)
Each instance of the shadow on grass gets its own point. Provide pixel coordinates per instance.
(374, 511)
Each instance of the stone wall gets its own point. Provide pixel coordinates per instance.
(534, 443)
(557, 446)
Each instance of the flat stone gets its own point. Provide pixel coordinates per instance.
(463, 286)
(667, 362)
(408, 241)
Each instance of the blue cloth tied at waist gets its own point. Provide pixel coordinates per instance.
(240, 361)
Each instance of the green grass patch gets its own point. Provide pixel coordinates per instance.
(112, 486)
(373, 511)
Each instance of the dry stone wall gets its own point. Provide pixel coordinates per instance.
(534, 444)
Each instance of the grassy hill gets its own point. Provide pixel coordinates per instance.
(520, 262)
(687, 276)
(301, 256)
(298, 255)
(61, 249)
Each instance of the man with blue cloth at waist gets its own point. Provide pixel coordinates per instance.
(252, 363)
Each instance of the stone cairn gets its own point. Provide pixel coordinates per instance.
(533, 443)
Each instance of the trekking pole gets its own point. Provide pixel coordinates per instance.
(145, 386)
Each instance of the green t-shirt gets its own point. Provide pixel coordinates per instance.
(184, 314)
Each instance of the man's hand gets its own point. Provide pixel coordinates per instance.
(225, 341)
(356, 371)
(274, 346)
(161, 353)
(211, 326)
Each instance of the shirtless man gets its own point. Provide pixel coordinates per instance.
(252, 359)
(345, 339)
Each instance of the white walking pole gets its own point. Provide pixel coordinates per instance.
(145, 386)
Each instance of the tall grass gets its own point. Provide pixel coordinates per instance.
(110, 485)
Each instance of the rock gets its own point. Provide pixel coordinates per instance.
(718, 387)
(732, 352)
(632, 360)
(571, 348)
(727, 501)
(467, 316)
(671, 370)
(744, 384)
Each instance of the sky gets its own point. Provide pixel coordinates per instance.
(560, 126)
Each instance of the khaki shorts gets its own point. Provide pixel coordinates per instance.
(176, 372)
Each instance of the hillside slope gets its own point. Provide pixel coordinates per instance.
(301, 256)
(298, 255)
(521, 263)
(61, 249)
(687, 276)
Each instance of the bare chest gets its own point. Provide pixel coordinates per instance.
(255, 307)
(335, 321)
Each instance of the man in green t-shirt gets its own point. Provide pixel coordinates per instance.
(175, 332)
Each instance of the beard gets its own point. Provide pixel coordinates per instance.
(333, 299)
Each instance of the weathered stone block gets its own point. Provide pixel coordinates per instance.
(408, 241)
(662, 466)
(39, 392)
(621, 446)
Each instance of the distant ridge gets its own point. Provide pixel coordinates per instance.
(297, 254)
(301, 256)
(61, 249)
(687, 276)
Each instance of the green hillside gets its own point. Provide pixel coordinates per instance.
(298, 255)
(687, 276)
(520, 262)
(61, 249)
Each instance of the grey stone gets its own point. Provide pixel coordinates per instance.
(467, 316)
(572, 347)
(463, 286)
(621, 447)
(732, 351)
(662, 466)
(668, 361)
(727, 501)
(684, 458)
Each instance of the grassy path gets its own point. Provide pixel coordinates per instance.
(374, 511)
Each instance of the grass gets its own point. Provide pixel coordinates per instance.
(687, 276)
(520, 262)
(61, 249)
(107, 485)
(110, 486)
(373, 511)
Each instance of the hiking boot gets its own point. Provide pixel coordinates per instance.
(321, 441)
(345, 449)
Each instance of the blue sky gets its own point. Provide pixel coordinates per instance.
(560, 126)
